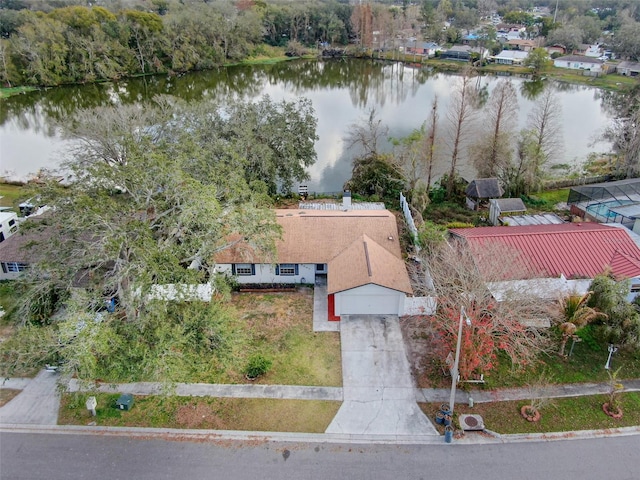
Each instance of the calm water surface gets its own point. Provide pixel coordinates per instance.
(342, 92)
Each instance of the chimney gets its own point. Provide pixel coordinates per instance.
(346, 200)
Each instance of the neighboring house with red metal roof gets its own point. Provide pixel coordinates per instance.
(569, 251)
(357, 251)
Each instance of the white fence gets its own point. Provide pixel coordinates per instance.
(181, 292)
(409, 219)
(420, 305)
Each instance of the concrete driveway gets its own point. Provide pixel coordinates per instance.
(379, 394)
(37, 404)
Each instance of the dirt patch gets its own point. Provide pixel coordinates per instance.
(199, 415)
(8, 394)
(420, 340)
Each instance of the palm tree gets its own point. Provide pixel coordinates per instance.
(576, 314)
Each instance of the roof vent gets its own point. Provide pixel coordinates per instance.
(471, 422)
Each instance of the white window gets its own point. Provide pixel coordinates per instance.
(287, 269)
(244, 269)
(15, 267)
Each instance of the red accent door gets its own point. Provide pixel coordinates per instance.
(332, 309)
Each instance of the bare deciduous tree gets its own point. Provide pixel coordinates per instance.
(460, 279)
(494, 150)
(462, 110)
(545, 121)
(366, 134)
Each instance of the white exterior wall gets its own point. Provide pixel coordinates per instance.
(634, 284)
(369, 299)
(266, 273)
(6, 229)
(593, 67)
(9, 275)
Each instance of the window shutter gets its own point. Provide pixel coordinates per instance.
(253, 269)
(296, 268)
(277, 269)
(233, 269)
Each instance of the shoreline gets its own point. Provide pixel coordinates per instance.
(610, 81)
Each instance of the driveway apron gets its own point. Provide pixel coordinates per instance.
(37, 404)
(379, 394)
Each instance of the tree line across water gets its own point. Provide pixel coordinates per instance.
(53, 42)
(77, 44)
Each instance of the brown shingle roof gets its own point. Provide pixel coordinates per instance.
(365, 262)
(22, 246)
(311, 236)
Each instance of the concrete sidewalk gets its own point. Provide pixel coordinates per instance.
(379, 393)
(321, 321)
(437, 395)
(290, 392)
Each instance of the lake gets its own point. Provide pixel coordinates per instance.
(342, 92)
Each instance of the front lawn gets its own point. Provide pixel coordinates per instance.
(253, 414)
(562, 414)
(280, 326)
(585, 365)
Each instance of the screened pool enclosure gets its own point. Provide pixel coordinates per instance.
(610, 202)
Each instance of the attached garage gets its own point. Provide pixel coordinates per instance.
(369, 300)
(367, 279)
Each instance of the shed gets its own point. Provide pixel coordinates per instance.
(481, 190)
(498, 206)
(630, 69)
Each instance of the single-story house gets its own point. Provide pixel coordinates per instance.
(481, 190)
(579, 62)
(569, 251)
(463, 52)
(561, 49)
(428, 49)
(357, 251)
(629, 69)
(522, 44)
(510, 57)
(594, 51)
(510, 32)
(14, 256)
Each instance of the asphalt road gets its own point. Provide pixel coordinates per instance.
(70, 456)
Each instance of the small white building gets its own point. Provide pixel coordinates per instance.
(579, 62)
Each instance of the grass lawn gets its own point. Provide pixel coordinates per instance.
(553, 197)
(7, 394)
(311, 416)
(585, 365)
(280, 326)
(9, 91)
(562, 414)
(11, 194)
